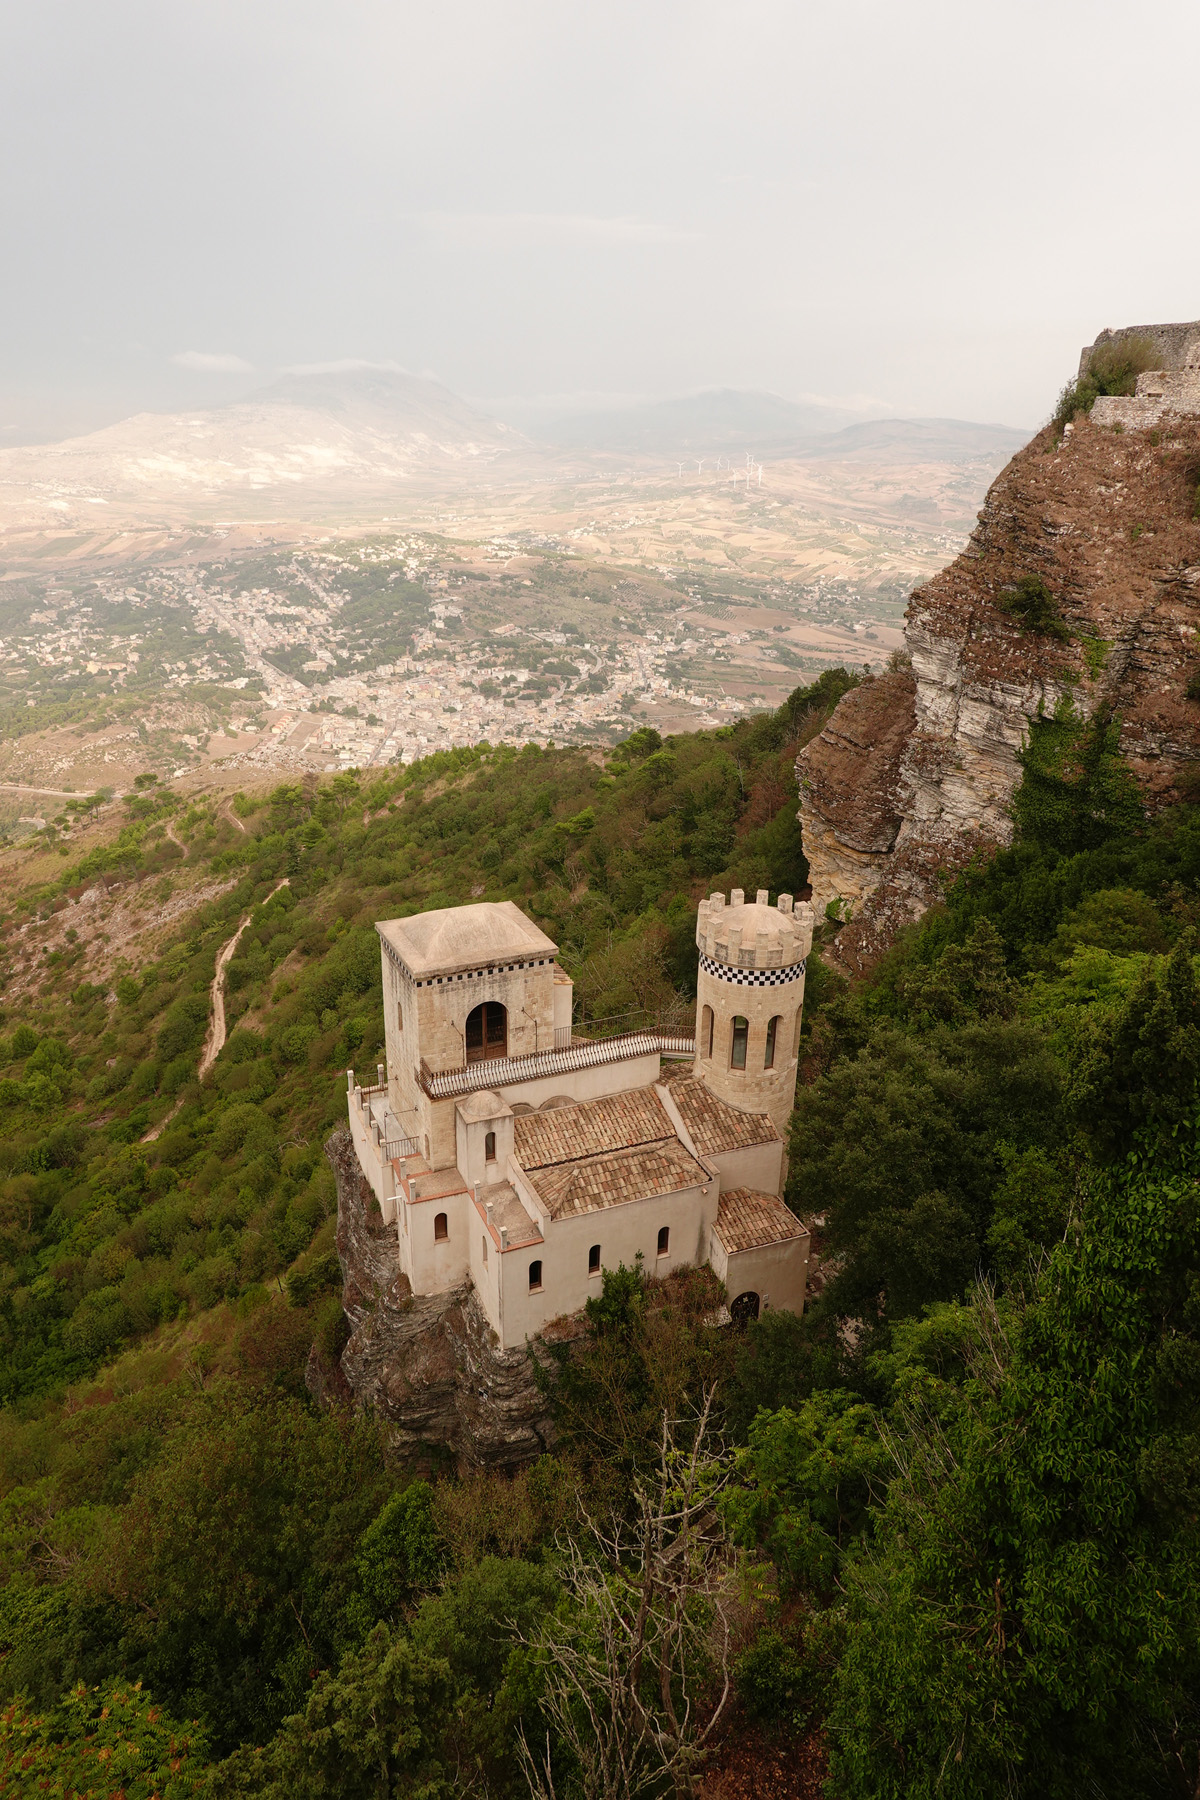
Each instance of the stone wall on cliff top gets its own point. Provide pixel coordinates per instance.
(915, 771)
(428, 1366)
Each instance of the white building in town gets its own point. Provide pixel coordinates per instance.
(510, 1151)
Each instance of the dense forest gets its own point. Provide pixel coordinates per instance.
(937, 1537)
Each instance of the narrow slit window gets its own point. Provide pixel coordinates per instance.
(535, 1277)
(483, 1242)
(441, 1228)
(664, 1239)
(772, 1034)
(594, 1260)
(489, 1147)
(706, 1031)
(737, 1048)
(399, 1015)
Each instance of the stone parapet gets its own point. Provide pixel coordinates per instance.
(753, 935)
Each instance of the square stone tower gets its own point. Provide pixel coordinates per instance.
(462, 985)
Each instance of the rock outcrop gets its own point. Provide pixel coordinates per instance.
(915, 772)
(428, 1366)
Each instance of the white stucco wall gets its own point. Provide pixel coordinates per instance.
(760, 1166)
(620, 1231)
(435, 1265)
(777, 1273)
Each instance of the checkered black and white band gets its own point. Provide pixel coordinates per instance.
(751, 977)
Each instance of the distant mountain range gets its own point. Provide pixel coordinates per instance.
(728, 420)
(350, 436)
(352, 430)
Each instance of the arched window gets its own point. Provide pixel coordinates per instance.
(772, 1033)
(737, 1047)
(594, 1260)
(441, 1228)
(799, 1021)
(483, 1245)
(664, 1239)
(487, 1032)
(535, 1277)
(399, 1015)
(489, 1146)
(706, 1031)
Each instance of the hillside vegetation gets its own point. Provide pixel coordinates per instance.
(941, 1532)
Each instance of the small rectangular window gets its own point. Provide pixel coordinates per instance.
(594, 1260)
(664, 1239)
(535, 1277)
(737, 1048)
(489, 1147)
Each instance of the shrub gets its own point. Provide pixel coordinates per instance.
(1113, 368)
(1031, 601)
(770, 1682)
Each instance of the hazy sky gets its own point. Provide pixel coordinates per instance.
(929, 205)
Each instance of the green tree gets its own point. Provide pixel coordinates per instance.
(370, 1731)
(1023, 1621)
(101, 1742)
(1136, 1071)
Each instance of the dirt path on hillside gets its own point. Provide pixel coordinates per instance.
(214, 1043)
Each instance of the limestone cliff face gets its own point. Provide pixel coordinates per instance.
(912, 774)
(427, 1365)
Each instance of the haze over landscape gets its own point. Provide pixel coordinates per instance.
(599, 890)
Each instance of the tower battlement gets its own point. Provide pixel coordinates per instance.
(753, 934)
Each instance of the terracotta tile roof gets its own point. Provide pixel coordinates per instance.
(592, 1128)
(746, 1220)
(590, 1183)
(715, 1126)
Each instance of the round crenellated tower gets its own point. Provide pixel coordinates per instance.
(749, 1000)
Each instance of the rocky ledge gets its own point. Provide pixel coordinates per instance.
(428, 1366)
(915, 771)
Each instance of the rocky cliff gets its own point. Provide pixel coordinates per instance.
(915, 771)
(428, 1366)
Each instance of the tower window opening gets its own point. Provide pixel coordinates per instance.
(664, 1239)
(483, 1242)
(399, 1015)
(594, 1260)
(772, 1033)
(799, 1022)
(487, 1031)
(535, 1277)
(737, 1048)
(441, 1228)
(706, 1031)
(489, 1147)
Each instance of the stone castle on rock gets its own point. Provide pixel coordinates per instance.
(508, 1151)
